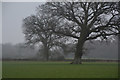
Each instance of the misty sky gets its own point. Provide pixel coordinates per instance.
(0, 35)
(12, 15)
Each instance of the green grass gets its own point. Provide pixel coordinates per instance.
(0, 69)
(31, 69)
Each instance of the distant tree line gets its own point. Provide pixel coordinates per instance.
(96, 50)
(21, 51)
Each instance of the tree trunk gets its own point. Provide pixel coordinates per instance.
(46, 52)
(79, 49)
(47, 55)
(78, 53)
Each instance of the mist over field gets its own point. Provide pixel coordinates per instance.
(13, 37)
(60, 39)
(96, 50)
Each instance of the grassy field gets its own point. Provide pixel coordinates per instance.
(32, 69)
(0, 69)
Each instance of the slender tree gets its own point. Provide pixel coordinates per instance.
(90, 21)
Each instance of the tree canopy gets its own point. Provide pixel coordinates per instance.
(83, 21)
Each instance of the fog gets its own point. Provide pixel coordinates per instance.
(96, 50)
(12, 37)
(12, 15)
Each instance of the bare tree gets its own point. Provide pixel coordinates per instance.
(85, 21)
(37, 31)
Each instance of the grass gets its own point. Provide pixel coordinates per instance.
(0, 69)
(32, 69)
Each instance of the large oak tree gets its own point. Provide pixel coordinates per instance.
(85, 21)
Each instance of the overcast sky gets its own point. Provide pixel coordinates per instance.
(12, 15)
